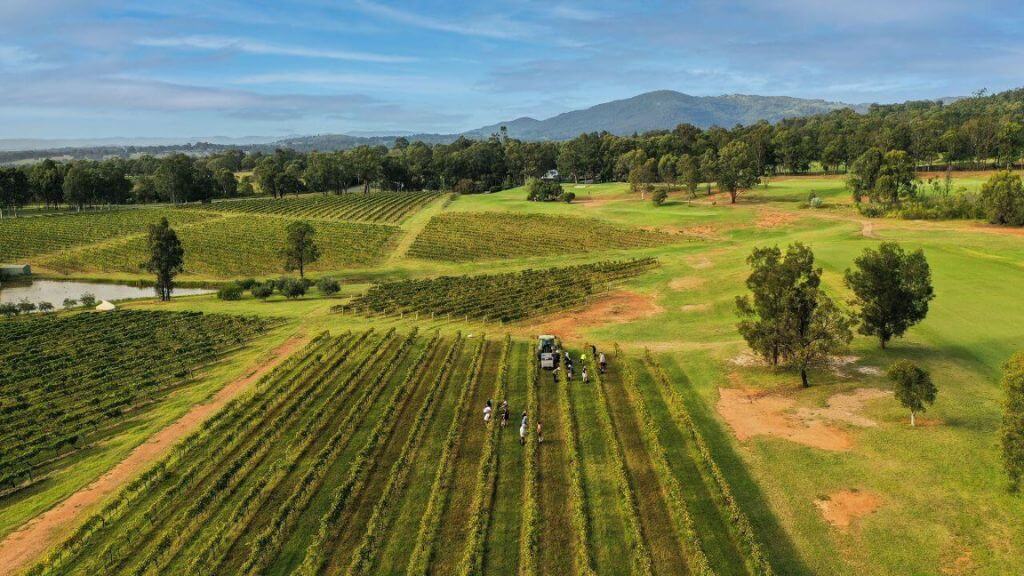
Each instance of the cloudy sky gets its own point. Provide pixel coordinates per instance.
(187, 68)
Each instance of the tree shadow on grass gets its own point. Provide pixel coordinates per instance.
(781, 552)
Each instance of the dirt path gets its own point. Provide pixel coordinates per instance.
(412, 227)
(29, 542)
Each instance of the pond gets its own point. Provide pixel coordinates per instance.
(56, 291)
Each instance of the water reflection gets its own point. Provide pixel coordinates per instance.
(56, 291)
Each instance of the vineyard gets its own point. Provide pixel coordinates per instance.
(366, 453)
(68, 381)
(472, 236)
(496, 297)
(237, 245)
(384, 207)
(26, 237)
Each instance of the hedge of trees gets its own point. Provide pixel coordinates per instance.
(975, 132)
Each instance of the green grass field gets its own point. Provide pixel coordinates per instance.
(642, 471)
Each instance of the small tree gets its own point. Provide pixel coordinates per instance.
(892, 288)
(1002, 198)
(292, 288)
(1013, 420)
(88, 300)
(300, 249)
(538, 190)
(46, 307)
(70, 302)
(232, 291)
(8, 309)
(914, 387)
(166, 258)
(264, 290)
(25, 306)
(659, 197)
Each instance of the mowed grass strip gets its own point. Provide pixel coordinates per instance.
(558, 541)
(501, 551)
(582, 544)
(712, 518)
(456, 520)
(659, 500)
(474, 236)
(529, 537)
(237, 246)
(618, 549)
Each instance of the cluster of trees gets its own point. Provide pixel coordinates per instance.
(882, 147)
(286, 286)
(538, 190)
(790, 321)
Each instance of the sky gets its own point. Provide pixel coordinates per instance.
(271, 68)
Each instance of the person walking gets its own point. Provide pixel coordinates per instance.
(586, 377)
(487, 412)
(522, 431)
(540, 434)
(602, 362)
(504, 413)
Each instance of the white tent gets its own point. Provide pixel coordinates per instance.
(105, 306)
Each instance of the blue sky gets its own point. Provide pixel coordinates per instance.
(187, 68)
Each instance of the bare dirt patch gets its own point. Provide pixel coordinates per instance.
(768, 415)
(684, 283)
(842, 508)
(961, 565)
(615, 308)
(693, 308)
(768, 220)
(846, 407)
(700, 262)
(30, 541)
(751, 414)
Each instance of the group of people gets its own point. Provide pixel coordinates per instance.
(505, 414)
(505, 411)
(570, 373)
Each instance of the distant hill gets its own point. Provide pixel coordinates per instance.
(663, 110)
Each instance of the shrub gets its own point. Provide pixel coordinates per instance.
(292, 287)
(88, 300)
(328, 286)
(568, 197)
(45, 307)
(1003, 199)
(464, 186)
(8, 309)
(232, 291)
(815, 202)
(538, 190)
(248, 283)
(25, 306)
(659, 197)
(263, 291)
(70, 303)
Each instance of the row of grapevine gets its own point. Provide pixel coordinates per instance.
(530, 526)
(641, 557)
(673, 491)
(318, 549)
(756, 559)
(61, 388)
(473, 236)
(266, 544)
(133, 537)
(423, 550)
(381, 517)
(577, 494)
(22, 238)
(386, 207)
(483, 491)
(507, 297)
(233, 422)
(237, 246)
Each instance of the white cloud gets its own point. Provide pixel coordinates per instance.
(18, 59)
(257, 47)
(405, 83)
(496, 26)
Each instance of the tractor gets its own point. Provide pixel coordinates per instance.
(548, 351)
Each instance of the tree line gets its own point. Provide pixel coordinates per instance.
(980, 131)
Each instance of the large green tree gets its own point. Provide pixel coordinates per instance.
(913, 387)
(166, 257)
(1012, 435)
(892, 289)
(737, 168)
(300, 249)
(787, 319)
(14, 189)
